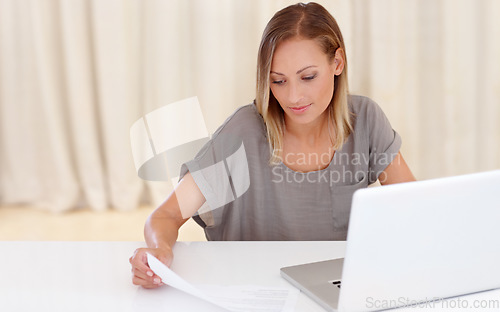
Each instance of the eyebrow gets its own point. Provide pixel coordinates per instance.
(298, 72)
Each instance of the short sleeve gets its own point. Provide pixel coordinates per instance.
(220, 169)
(384, 142)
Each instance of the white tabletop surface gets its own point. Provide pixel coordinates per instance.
(95, 276)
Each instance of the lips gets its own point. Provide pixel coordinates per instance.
(300, 109)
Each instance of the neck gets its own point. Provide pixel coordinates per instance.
(311, 134)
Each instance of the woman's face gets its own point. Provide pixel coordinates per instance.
(302, 80)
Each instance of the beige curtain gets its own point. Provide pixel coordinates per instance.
(434, 67)
(75, 75)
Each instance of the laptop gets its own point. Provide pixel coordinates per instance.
(411, 243)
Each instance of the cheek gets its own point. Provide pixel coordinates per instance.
(327, 89)
(276, 93)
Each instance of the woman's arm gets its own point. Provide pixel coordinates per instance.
(162, 228)
(396, 172)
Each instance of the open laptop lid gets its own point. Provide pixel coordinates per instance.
(422, 241)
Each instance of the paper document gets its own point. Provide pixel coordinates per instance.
(252, 298)
(248, 298)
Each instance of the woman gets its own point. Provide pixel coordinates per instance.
(286, 166)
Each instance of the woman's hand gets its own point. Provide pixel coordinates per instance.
(162, 228)
(142, 274)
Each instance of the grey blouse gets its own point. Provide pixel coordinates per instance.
(248, 199)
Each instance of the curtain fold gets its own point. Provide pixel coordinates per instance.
(75, 75)
(79, 72)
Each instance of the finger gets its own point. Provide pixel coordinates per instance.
(153, 286)
(147, 282)
(142, 275)
(144, 283)
(139, 261)
(152, 279)
(156, 280)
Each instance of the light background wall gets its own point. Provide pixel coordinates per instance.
(75, 75)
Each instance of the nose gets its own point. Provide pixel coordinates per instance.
(294, 93)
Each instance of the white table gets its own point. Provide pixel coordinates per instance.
(95, 276)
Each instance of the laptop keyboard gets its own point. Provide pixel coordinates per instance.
(336, 283)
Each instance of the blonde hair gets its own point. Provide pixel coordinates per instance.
(308, 21)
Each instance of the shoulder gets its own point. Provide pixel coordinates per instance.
(244, 121)
(244, 126)
(365, 111)
(362, 105)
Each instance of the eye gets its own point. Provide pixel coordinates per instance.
(311, 77)
(278, 82)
